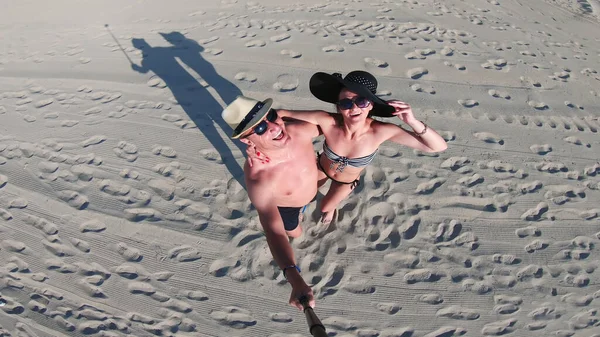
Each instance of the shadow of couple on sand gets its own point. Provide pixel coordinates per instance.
(193, 97)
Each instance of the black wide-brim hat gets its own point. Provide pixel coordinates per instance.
(327, 87)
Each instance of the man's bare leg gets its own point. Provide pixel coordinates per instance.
(296, 232)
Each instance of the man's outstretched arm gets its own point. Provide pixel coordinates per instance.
(278, 241)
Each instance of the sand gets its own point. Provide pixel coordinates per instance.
(123, 212)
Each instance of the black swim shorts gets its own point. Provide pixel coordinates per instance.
(290, 215)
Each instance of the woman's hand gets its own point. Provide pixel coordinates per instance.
(403, 111)
(255, 156)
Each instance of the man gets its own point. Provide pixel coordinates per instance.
(284, 184)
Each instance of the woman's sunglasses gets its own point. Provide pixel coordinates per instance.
(262, 127)
(347, 103)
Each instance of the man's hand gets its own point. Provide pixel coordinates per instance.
(301, 290)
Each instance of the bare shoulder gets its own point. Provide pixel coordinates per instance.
(379, 126)
(258, 183)
(300, 128)
(385, 130)
(256, 174)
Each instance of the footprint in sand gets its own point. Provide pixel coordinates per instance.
(458, 312)
(447, 51)
(94, 140)
(446, 331)
(536, 245)
(576, 141)
(211, 155)
(208, 40)
(573, 106)
(528, 231)
(243, 34)
(68, 123)
(535, 213)
(537, 105)
(213, 51)
(195, 295)
(141, 288)
(92, 111)
(280, 37)
(58, 249)
(128, 253)
(497, 64)
(184, 253)
(165, 151)
(248, 77)
(333, 48)
(529, 272)
(430, 298)
(6, 215)
(164, 188)
(18, 203)
(29, 118)
(126, 150)
(389, 308)
(157, 82)
(551, 167)
(419, 54)
(498, 94)
(418, 88)
(24, 101)
(83, 246)
(359, 287)
(286, 83)
(291, 53)
(376, 63)
(234, 317)
(43, 103)
(280, 317)
(562, 76)
(354, 41)
(422, 275)
(489, 138)
(255, 44)
(92, 226)
(73, 199)
(468, 103)
(499, 328)
(470, 181)
(416, 73)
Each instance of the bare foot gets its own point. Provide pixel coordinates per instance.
(327, 217)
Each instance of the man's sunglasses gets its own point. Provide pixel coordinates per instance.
(262, 127)
(347, 103)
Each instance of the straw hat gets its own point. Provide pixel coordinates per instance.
(244, 113)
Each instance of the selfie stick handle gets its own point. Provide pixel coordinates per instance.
(315, 326)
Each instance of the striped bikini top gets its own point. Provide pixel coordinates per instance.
(342, 162)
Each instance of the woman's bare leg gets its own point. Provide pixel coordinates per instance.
(337, 192)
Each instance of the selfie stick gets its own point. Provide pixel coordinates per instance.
(117, 41)
(315, 326)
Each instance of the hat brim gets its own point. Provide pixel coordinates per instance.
(327, 88)
(260, 115)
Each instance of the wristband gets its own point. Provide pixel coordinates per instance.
(290, 266)
(422, 132)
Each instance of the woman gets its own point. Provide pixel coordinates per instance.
(352, 137)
